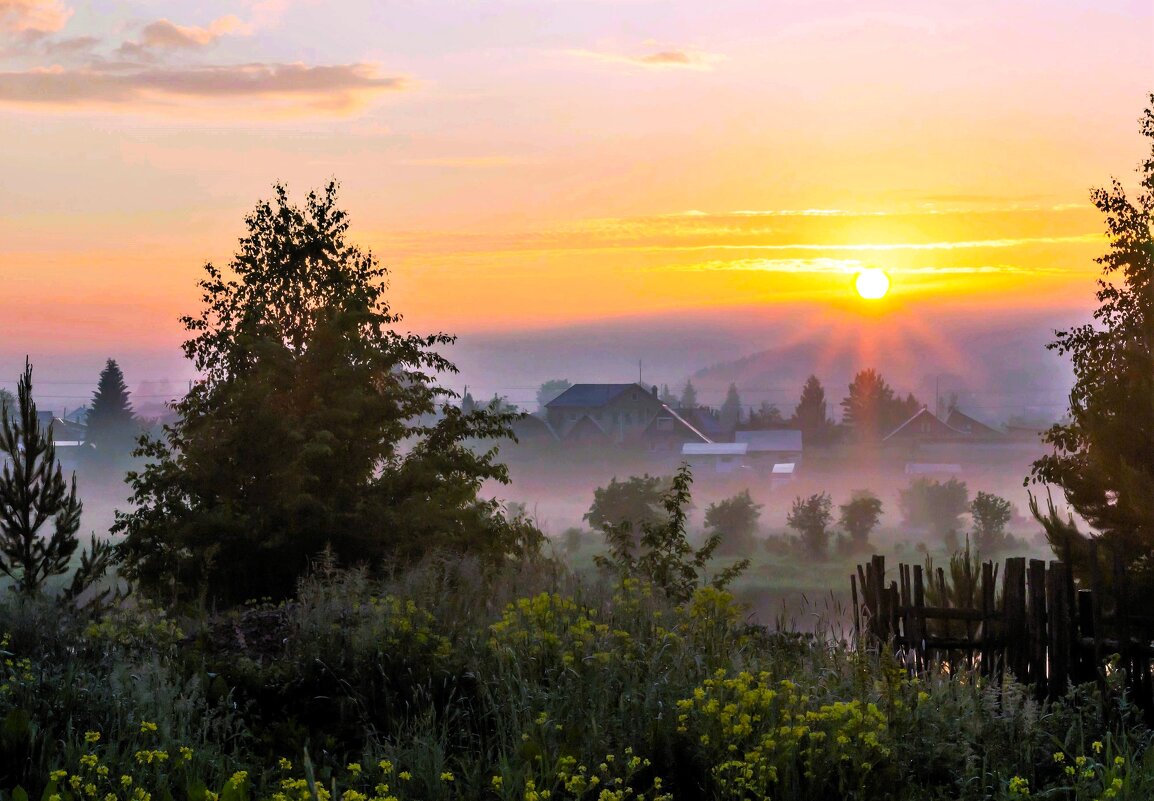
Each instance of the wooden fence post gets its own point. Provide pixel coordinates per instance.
(1037, 624)
(1014, 617)
(1059, 624)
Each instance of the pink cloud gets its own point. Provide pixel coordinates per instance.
(36, 17)
(283, 88)
(662, 59)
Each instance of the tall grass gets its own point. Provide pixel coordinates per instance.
(445, 682)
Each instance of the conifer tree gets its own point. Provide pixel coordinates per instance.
(731, 409)
(811, 415)
(33, 492)
(112, 425)
(689, 396)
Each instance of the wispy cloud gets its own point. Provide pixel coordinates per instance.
(164, 35)
(850, 266)
(467, 161)
(820, 265)
(673, 59)
(287, 87)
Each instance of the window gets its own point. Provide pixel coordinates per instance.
(664, 423)
(629, 418)
(573, 417)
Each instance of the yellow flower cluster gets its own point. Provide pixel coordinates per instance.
(398, 624)
(553, 630)
(1101, 774)
(18, 673)
(759, 732)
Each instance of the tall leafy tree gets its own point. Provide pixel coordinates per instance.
(33, 491)
(731, 408)
(1101, 455)
(7, 400)
(811, 415)
(689, 396)
(550, 390)
(112, 425)
(291, 442)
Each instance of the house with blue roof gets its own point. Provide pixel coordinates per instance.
(621, 412)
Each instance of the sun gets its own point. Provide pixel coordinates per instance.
(872, 283)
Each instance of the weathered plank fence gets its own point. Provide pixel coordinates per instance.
(1036, 622)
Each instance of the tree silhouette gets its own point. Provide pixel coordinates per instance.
(810, 518)
(112, 425)
(550, 390)
(689, 396)
(811, 415)
(1102, 456)
(291, 442)
(731, 409)
(871, 408)
(859, 517)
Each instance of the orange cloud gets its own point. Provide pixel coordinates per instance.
(292, 88)
(35, 17)
(663, 59)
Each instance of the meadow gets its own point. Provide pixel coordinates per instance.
(448, 681)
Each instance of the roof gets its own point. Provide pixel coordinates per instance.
(665, 409)
(783, 439)
(969, 425)
(704, 420)
(713, 449)
(530, 427)
(937, 427)
(586, 396)
(927, 468)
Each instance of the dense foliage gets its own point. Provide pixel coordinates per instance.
(859, 516)
(810, 518)
(934, 505)
(735, 519)
(315, 425)
(1102, 454)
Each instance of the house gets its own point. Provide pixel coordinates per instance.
(968, 425)
(621, 412)
(766, 449)
(707, 421)
(587, 433)
(782, 473)
(534, 432)
(669, 431)
(715, 457)
(923, 426)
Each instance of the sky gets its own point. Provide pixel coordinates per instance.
(528, 165)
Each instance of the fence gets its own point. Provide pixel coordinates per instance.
(1036, 623)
